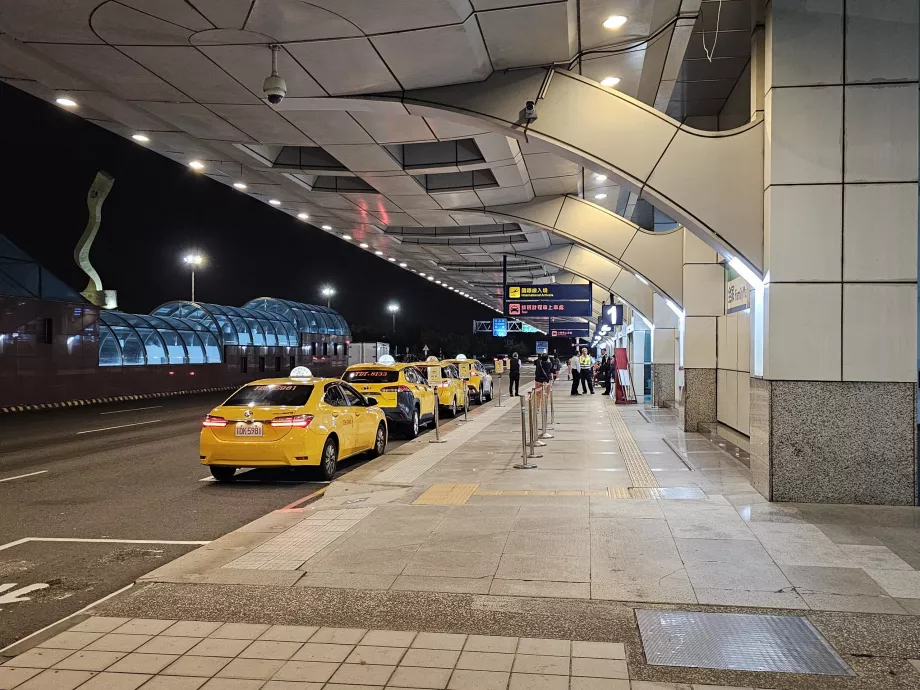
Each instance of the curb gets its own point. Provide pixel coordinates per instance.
(118, 398)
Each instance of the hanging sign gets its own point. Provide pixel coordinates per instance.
(569, 329)
(548, 300)
(542, 346)
(499, 327)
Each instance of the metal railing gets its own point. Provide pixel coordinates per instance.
(537, 413)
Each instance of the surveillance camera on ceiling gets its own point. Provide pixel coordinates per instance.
(274, 86)
(530, 111)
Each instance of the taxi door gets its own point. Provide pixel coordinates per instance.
(343, 419)
(421, 389)
(365, 420)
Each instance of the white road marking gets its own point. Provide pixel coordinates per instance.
(11, 544)
(17, 594)
(120, 426)
(134, 409)
(22, 476)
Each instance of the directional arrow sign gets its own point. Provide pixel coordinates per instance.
(17, 594)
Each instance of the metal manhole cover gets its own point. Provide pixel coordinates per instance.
(737, 641)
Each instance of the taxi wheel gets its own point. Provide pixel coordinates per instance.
(329, 461)
(410, 431)
(223, 474)
(481, 398)
(453, 408)
(380, 441)
(489, 397)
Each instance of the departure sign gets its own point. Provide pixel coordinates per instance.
(548, 300)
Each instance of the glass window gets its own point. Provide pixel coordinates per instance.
(175, 346)
(269, 329)
(193, 344)
(132, 348)
(211, 348)
(109, 350)
(352, 397)
(258, 336)
(279, 394)
(154, 345)
(372, 376)
(334, 396)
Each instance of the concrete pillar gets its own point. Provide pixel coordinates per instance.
(833, 418)
(664, 360)
(704, 302)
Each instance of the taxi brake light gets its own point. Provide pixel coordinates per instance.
(211, 420)
(298, 421)
(396, 389)
(445, 384)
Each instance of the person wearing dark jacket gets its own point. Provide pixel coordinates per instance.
(544, 372)
(514, 375)
(604, 371)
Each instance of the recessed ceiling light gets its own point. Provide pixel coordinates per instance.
(610, 81)
(66, 102)
(327, 227)
(274, 202)
(614, 22)
(392, 259)
(403, 265)
(303, 216)
(239, 185)
(196, 165)
(363, 245)
(430, 277)
(346, 237)
(599, 178)
(438, 282)
(143, 138)
(378, 253)
(600, 196)
(422, 274)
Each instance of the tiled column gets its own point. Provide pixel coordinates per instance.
(834, 417)
(664, 341)
(704, 302)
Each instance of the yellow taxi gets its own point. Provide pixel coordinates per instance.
(480, 382)
(451, 391)
(401, 390)
(291, 422)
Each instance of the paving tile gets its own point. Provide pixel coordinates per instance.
(239, 631)
(459, 585)
(532, 681)
(192, 628)
(599, 650)
(316, 651)
(432, 563)
(485, 661)
(540, 544)
(670, 587)
(198, 666)
(912, 606)
(376, 655)
(491, 643)
(339, 635)
(289, 633)
(313, 671)
(99, 624)
(478, 680)
(799, 544)
(268, 649)
(218, 647)
(116, 681)
(541, 664)
(609, 507)
(291, 685)
(70, 640)
(722, 551)
(578, 683)
(544, 647)
(11, 676)
(388, 638)
(428, 678)
(337, 580)
(431, 658)
(545, 568)
(852, 602)
(116, 642)
(738, 597)
(426, 640)
(167, 644)
(764, 577)
(809, 578)
(874, 557)
(39, 657)
(231, 684)
(363, 674)
(599, 668)
(253, 669)
(89, 661)
(898, 583)
(469, 542)
(174, 683)
(142, 663)
(144, 626)
(652, 685)
(53, 679)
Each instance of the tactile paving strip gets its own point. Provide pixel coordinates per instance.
(737, 641)
(640, 473)
(446, 495)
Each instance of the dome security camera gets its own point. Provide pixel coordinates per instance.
(274, 86)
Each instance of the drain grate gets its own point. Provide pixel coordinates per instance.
(737, 641)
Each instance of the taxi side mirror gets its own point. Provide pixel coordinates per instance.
(371, 401)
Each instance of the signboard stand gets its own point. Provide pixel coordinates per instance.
(499, 368)
(623, 381)
(434, 380)
(465, 377)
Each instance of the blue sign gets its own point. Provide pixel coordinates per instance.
(527, 328)
(542, 346)
(499, 327)
(569, 329)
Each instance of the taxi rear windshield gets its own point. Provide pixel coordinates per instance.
(291, 395)
(372, 376)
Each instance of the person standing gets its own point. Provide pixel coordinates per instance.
(586, 365)
(604, 371)
(557, 365)
(514, 375)
(574, 372)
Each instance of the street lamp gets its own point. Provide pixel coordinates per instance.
(193, 261)
(328, 291)
(393, 307)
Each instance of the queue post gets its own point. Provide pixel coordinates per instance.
(434, 380)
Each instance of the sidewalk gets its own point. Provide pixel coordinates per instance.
(441, 566)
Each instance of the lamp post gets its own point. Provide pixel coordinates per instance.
(328, 291)
(393, 307)
(193, 261)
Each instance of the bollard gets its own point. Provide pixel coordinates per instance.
(544, 411)
(437, 431)
(534, 428)
(466, 402)
(525, 465)
(552, 408)
(499, 390)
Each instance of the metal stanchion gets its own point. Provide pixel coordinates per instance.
(534, 427)
(466, 401)
(544, 408)
(437, 431)
(499, 390)
(552, 408)
(526, 453)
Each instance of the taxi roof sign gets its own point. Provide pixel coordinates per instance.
(432, 359)
(460, 357)
(386, 359)
(301, 373)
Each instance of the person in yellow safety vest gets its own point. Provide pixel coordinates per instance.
(586, 364)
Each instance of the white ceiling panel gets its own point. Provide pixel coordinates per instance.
(445, 129)
(293, 20)
(329, 200)
(328, 126)
(55, 21)
(541, 165)
(399, 15)
(556, 185)
(626, 66)
(432, 219)
(374, 203)
(192, 73)
(472, 218)
(505, 195)
(481, 5)
(402, 220)
(452, 55)
(196, 120)
(345, 67)
(364, 157)
(26, 62)
(457, 199)
(176, 11)
(529, 35)
(226, 14)
(250, 64)
(120, 25)
(400, 184)
(225, 37)
(638, 14)
(263, 124)
(395, 129)
(412, 202)
(180, 142)
(112, 70)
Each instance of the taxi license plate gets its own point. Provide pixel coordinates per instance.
(253, 429)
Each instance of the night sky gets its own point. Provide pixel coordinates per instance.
(158, 209)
